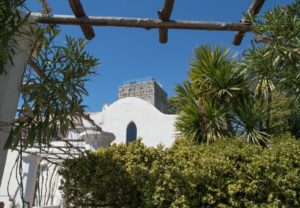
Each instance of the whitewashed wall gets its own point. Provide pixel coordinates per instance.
(153, 126)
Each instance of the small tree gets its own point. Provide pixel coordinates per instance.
(244, 90)
(53, 83)
(273, 61)
(198, 120)
(218, 98)
(11, 24)
(276, 56)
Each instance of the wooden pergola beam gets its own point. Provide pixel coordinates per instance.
(145, 23)
(78, 11)
(253, 10)
(164, 14)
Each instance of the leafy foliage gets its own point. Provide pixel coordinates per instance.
(250, 115)
(52, 90)
(216, 75)
(278, 47)
(113, 177)
(242, 92)
(12, 28)
(228, 173)
(217, 98)
(294, 121)
(53, 83)
(173, 105)
(282, 111)
(273, 63)
(201, 121)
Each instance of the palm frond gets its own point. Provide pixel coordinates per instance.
(251, 115)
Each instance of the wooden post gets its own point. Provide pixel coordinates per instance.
(253, 10)
(78, 11)
(164, 14)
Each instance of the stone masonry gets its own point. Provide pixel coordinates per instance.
(148, 90)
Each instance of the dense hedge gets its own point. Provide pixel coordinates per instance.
(228, 173)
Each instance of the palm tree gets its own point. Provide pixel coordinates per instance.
(261, 69)
(217, 98)
(217, 77)
(198, 120)
(216, 74)
(250, 116)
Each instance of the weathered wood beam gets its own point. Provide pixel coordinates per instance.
(164, 14)
(78, 11)
(253, 10)
(145, 23)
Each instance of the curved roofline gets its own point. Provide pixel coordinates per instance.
(138, 100)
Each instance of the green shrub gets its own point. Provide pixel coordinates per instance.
(228, 173)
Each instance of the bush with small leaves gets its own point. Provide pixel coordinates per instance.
(227, 173)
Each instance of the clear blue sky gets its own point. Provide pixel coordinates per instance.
(129, 53)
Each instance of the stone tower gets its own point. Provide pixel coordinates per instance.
(147, 89)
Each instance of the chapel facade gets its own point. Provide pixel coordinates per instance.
(139, 112)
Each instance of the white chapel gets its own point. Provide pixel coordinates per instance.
(139, 112)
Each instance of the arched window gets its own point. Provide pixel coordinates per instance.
(131, 132)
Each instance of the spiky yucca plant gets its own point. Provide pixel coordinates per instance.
(199, 120)
(250, 115)
(217, 101)
(216, 75)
